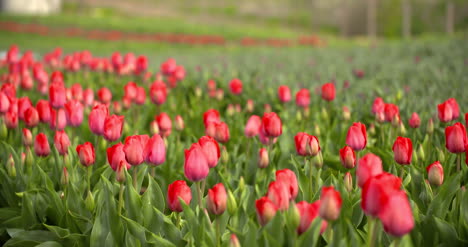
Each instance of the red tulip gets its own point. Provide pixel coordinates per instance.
(58, 119)
(435, 173)
(252, 128)
(271, 125)
(88, 97)
(41, 145)
(378, 106)
(27, 137)
(376, 190)
(263, 159)
(347, 157)
(303, 98)
(77, 92)
(158, 92)
(222, 132)
(368, 166)
(57, 95)
(306, 145)
(11, 119)
(308, 213)
(279, 194)
(43, 109)
(104, 95)
(130, 90)
(179, 123)
(330, 205)
(403, 150)
(177, 191)
(210, 116)
(217, 199)
(31, 117)
(414, 121)
(357, 137)
(396, 215)
(196, 164)
(97, 117)
(86, 154)
(169, 66)
(134, 147)
(116, 156)
(24, 104)
(74, 112)
(288, 178)
(266, 210)
(448, 110)
(4, 102)
(391, 111)
(235, 86)
(455, 138)
(284, 93)
(113, 126)
(211, 150)
(328, 91)
(61, 142)
(155, 151)
(141, 96)
(164, 124)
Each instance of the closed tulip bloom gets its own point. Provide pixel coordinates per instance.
(61, 142)
(252, 128)
(164, 124)
(303, 98)
(74, 112)
(57, 95)
(263, 159)
(235, 86)
(414, 121)
(169, 66)
(403, 150)
(4, 102)
(140, 99)
(116, 155)
(210, 116)
(27, 137)
(266, 210)
(88, 97)
(328, 91)
(77, 92)
(155, 150)
(376, 191)
(271, 125)
(368, 166)
(113, 126)
(158, 92)
(330, 205)
(196, 165)
(396, 215)
(134, 147)
(130, 90)
(43, 109)
(97, 117)
(308, 213)
(41, 145)
(217, 199)
(378, 106)
(86, 154)
(179, 123)
(435, 173)
(391, 111)
(24, 104)
(31, 117)
(58, 119)
(279, 194)
(177, 191)
(455, 138)
(210, 149)
(357, 136)
(347, 157)
(104, 95)
(448, 110)
(306, 145)
(234, 241)
(11, 119)
(222, 132)
(288, 178)
(284, 93)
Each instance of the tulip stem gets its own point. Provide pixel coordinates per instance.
(396, 242)
(372, 232)
(153, 171)
(311, 178)
(89, 171)
(135, 175)
(199, 190)
(121, 198)
(218, 231)
(178, 220)
(459, 161)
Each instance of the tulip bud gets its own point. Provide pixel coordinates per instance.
(324, 114)
(348, 157)
(430, 126)
(198, 92)
(3, 130)
(402, 129)
(330, 206)
(224, 155)
(27, 137)
(89, 201)
(231, 203)
(299, 116)
(154, 128)
(263, 159)
(217, 199)
(372, 129)
(120, 173)
(230, 110)
(11, 169)
(293, 215)
(317, 161)
(440, 154)
(421, 154)
(219, 94)
(435, 173)
(249, 106)
(179, 123)
(65, 177)
(234, 241)
(241, 183)
(29, 159)
(346, 113)
(415, 156)
(348, 182)
(317, 130)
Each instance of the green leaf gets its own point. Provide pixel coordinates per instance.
(50, 244)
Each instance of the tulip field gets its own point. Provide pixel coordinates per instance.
(298, 146)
